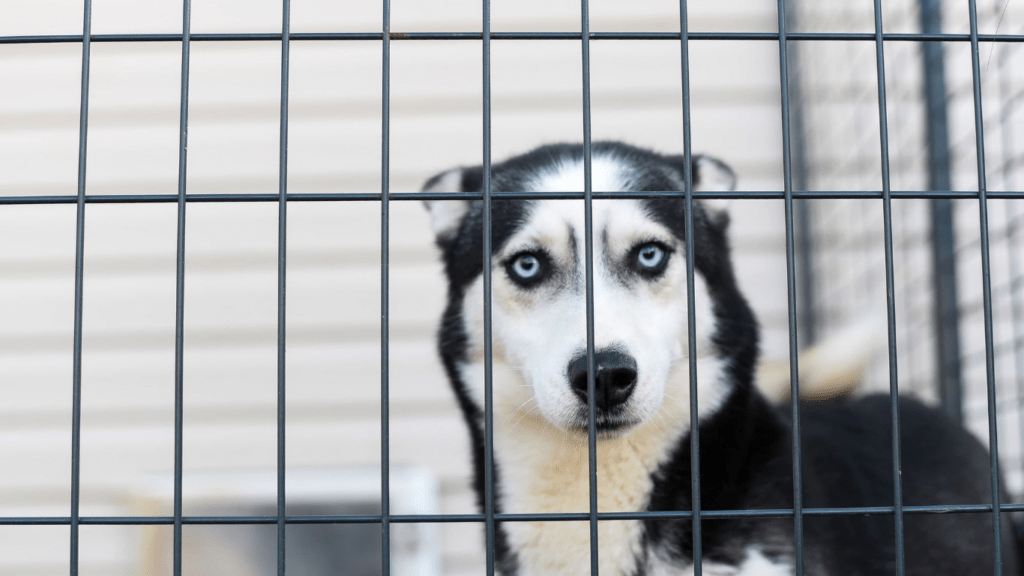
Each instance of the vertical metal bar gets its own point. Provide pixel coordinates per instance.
(794, 367)
(282, 253)
(488, 360)
(803, 222)
(804, 238)
(691, 319)
(385, 259)
(946, 306)
(76, 379)
(890, 283)
(588, 232)
(986, 283)
(179, 294)
(947, 325)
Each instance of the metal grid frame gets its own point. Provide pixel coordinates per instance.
(489, 517)
(937, 241)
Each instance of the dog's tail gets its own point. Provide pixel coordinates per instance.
(832, 368)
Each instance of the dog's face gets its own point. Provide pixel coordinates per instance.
(538, 272)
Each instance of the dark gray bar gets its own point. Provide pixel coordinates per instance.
(375, 196)
(282, 254)
(794, 366)
(947, 325)
(357, 36)
(890, 300)
(479, 518)
(489, 512)
(802, 209)
(986, 291)
(588, 240)
(76, 378)
(179, 292)
(691, 319)
(385, 258)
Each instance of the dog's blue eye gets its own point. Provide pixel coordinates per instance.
(526, 266)
(650, 257)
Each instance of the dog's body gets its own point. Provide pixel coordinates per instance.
(643, 393)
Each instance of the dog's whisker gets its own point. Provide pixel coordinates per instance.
(514, 412)
(523, 417)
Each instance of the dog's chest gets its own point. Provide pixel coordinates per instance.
(543, 472)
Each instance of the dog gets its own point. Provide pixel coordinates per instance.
(642, 392)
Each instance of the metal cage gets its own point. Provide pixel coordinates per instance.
(873, 183)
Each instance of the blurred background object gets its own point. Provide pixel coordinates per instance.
(333, 253)
(311, 548)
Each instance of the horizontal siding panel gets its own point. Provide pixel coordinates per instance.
(321, 378)
(113, 461)
(245, 303)
(240, 80)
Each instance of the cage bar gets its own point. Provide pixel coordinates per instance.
(597, 195)
(282, 272)
(412, 36)
(179, 293)
(588, 240)
(794, 366)
(691, 318)
(943, 231)
(76, 383)
(385, 291)
(986, 291)
(890, 301)
(489, 512)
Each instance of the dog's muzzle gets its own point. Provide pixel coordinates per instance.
(614, 378)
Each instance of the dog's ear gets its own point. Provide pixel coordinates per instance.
(447, 215)
(711, 175)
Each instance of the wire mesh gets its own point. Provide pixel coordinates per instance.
(847, 249)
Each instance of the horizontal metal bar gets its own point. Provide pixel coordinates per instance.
(378, 36)
(454, 518)
(621, 195)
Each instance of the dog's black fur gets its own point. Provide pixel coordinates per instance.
(746, 446)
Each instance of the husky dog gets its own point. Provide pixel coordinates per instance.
(642, 393)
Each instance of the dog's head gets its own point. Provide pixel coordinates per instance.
(539, 317)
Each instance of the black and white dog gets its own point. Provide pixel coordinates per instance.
(643, 393)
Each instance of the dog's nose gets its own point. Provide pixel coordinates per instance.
(613, 382)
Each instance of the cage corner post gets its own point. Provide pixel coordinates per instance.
(943, 232)
(803, 211)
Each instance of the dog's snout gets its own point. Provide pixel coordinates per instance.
(614, 379)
